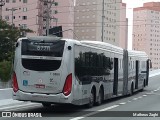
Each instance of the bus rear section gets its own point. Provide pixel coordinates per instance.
(40, 71)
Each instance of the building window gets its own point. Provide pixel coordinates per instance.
(7, 9)
(24, 18)
(24, 9)
(44, 19)
(24, 26)
(13, 1)
(24, 1)
(7, 18)
(7, 1)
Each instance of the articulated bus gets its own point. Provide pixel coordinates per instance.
(52, 70)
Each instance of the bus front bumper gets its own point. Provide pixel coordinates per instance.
(37, 97)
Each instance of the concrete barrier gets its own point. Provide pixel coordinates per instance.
(6, 93)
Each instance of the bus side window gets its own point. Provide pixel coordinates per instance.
(111, 63)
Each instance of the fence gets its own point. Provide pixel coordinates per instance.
(5, 84)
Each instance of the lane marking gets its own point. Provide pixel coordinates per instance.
(122, 103)
(144, 95)
(77, 118)
(108, 108)
(155, 94)
(101, 110)
(140, 97)
(135, 98)
(155, 90)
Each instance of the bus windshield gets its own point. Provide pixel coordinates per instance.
(43, 48)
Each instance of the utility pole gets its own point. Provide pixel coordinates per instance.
(49, 4)
(12, 9)
(102, 20)
(2, 3)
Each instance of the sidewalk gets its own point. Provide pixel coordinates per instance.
(6, 102)
(154, 73)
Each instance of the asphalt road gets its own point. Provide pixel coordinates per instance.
(123, 108)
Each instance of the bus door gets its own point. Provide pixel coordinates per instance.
(137, 74)
(147, 72)
(115, 83)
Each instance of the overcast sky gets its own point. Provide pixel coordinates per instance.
(132, 4)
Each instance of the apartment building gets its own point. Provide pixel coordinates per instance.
(93, 21)
(146, 31)
(123, 26)
(32, 14)
(2, 3)
(65, 17)
(0, 12)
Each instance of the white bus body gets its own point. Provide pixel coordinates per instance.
(53, 70)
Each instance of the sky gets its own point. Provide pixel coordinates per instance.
(130, 5)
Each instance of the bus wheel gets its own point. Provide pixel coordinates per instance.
(45, 104)
(91, 99)
(100, 97)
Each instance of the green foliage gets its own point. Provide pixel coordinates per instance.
(8, 37)
(5, 71)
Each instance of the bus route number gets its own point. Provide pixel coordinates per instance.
(43, 48)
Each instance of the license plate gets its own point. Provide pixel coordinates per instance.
(40, 86)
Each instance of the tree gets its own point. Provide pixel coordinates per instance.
(5, 71)
(8, 37)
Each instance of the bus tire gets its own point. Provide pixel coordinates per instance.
(45, 104)
(100, 97)
(91, 99)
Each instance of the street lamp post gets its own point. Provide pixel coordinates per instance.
(12, 9)
(103, 16)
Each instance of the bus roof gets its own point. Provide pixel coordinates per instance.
(41, 38)
(102, 45)
(137, 53)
